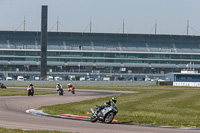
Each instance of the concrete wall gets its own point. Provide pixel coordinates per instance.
(85, 83)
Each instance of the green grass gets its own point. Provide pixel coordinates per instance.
(5, 130)
(153, 105)
(18, 92)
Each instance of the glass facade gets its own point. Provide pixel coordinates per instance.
(137, 52)
(113, 57)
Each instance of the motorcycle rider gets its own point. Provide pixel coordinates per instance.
(69, 86)
(31, 86)
(58, 87)
(2, 85)
(108, 103)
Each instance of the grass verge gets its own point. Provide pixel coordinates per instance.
(5, 130)
(162, 106)
(17, 92)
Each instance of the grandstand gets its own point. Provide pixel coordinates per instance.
(99, 52)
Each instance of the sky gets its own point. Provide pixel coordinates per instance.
(106, 16)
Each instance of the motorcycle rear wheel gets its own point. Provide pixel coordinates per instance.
(109, 117)
(93, 118)
(29, 93)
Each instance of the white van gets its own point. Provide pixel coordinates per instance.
(20, 78)
(9, 78)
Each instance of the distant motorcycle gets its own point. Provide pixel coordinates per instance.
(72, 89)
(106, 114)
(30, 91)
(3, 86)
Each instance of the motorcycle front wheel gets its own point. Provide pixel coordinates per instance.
(109, 117)
(73, 91)
(93, 118)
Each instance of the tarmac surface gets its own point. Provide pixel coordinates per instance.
(13, 115)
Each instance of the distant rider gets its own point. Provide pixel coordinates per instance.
(2, 85)
(69, 86)
(112, 102)
(58, 87)
(31, 85)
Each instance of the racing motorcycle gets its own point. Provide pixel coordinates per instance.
(30, 91)
(106, 114)
(3, 86)
(72, 89)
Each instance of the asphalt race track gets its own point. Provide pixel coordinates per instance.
(13, 115)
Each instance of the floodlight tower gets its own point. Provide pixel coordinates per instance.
(43, 52)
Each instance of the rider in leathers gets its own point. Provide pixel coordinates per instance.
(108, 103)
(31, 85)
(58, 87)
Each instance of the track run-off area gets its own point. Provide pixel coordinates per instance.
(13, 115)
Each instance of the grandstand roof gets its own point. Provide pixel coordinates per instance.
(99, 36)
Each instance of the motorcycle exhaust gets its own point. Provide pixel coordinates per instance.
(92, 110)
